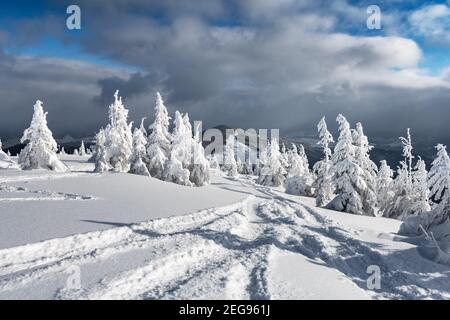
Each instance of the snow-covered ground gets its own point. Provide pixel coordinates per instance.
(133, 237)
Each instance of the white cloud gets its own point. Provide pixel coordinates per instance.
(432, 22)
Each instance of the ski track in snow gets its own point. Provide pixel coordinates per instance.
(38, 195)
(216, 253)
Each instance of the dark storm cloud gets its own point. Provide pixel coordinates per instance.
(264, 64)
(136, 84)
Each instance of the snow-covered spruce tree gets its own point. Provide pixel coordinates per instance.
(299, 180)
(284, 158)
(63, 151)
(348, 177)
(403, 182)
(75, 152)
(417, 214)
(40, 152)
(439, 184)
(384, 187)
(272, 172)
(82, 150)
(158, 146)
(420, 192)
(370, 169)
(5, 159)
(200, 170)
(196, 163)
(229, 160)
(174, 171)
(322, 169)
(101, 153)
(137, 164)
(119, 138)
(296, 163)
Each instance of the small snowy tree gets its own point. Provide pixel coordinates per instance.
(229, 159)
(174, 171)
(322, 169)
(82, 151)
(5, 160)
(158, 146)
(119, 138)
(137, 164)
(384, 187)
(200, 170)
(403, 182)
(272, 172)
(101, 153)
(420, 192)
(296, 167)
(40, 152)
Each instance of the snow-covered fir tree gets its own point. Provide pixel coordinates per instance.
(369, 168)
(322, 168)
(137, 164)
(101, 153)
(284, 158)
(174, 171)
(200, 170)
(299, 180)
(402, 187)
(272, 172)
(348, 177)
(119, 138)
(229, 159)
(82, 150)
(40, 152)
(158, 146)
(63, 151)
(384, 186)
(439, 184)
(5, 158)
(420, 193)
(296, 162)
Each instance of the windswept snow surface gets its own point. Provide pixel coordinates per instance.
(254, 242)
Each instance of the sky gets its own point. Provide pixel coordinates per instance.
(251, 64)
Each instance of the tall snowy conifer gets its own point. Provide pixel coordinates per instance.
(158, 146)
(40, 152)
(137, 164)
(322, 169)
(119, 138)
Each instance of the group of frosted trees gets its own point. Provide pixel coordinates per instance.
(176, 156)
(345, 179)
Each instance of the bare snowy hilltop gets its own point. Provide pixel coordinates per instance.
(133, 237)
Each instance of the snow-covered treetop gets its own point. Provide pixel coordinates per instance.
(161, 121)
(38, 129)
(407, 145)
(325, 138)
(118, 115)
(344, 149)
